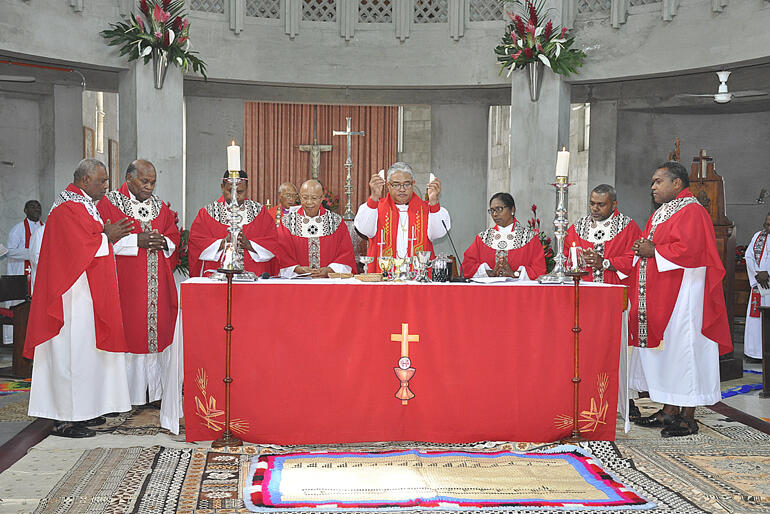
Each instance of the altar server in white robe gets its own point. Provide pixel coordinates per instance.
(757, 267)
(18, 251)
(75, 331)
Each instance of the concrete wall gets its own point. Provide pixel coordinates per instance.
(499, 158)
(459, 148)
(20, 142)
(734, 141)
(416, 142)
(110, 127)
(211, 124)
(263, 52)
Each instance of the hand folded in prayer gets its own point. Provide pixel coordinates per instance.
(244, 243)
(151, 240)
(377, 187)
(593, 258)
(644, 248)
(433, 190)
(763, 279)
(502, 269)
(116, 231)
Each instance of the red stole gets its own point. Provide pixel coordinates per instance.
(756, 298)
(147, 289)
(387, 225)
(71, 240)
(687, 239)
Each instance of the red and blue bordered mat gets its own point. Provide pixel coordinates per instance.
(563, 477)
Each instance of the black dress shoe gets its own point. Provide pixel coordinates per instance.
(634, 413)
(74, 430)
(680, 427)
(98, 420)
(111, 415)
(659, 419)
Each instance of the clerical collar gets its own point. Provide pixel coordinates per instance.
(83, 193)
(506, 230)
(135, 199)
(402, 207)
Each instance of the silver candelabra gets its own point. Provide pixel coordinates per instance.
(232, 254)
(560, 223)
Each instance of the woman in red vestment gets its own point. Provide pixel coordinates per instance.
(506, 250)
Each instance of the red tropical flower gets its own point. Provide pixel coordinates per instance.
(160, 15)
(143, 7)
(177, 24)
(548, 30)
(532, 13)
(528, 53)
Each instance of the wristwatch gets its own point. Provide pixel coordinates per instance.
(606, 264)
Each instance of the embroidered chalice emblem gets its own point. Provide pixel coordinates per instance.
(404, 372)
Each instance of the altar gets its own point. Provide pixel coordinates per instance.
(316, 361)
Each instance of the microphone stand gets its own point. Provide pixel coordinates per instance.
(457, 256)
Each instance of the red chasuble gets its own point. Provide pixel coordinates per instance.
(211, 224)
(387, 224)
(683, 234)
(147, 290)
(614, 242)
(315, 242)
(521, 246)
(71, 239)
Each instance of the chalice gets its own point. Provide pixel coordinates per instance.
(422, 263)
(366, 260)
(385, 262)
(398, 263)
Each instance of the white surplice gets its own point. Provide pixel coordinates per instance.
(684, 369)
(72, 380)
(752, 335)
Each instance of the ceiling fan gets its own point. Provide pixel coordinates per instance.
(723, 96)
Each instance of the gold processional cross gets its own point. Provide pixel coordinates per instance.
(404, 371)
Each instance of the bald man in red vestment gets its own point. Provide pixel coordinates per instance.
(314, 240)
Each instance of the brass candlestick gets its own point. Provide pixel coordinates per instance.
(576, 275)
(227, 438)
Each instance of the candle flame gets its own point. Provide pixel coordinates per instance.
(563, 148)
(233, 143)
(573, 243)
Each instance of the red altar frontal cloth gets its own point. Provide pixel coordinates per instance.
(314, 362)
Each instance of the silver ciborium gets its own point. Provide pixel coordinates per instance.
(422, 263)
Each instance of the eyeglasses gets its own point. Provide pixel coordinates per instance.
(401, 186)
(307, 198)
(497, 210)
(290, 195)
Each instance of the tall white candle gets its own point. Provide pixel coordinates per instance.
(233, 157)
(411, 243)
(382, 240)
(573, 256)
(562, 163)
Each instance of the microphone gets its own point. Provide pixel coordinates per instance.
(265, 275)
(457, 257)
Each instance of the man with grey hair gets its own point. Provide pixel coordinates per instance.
(398, 222)
(606, 237)
(75, 330)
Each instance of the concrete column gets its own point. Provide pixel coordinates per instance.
(603, 142)
(459, 159)
(538, 130)
(152, 127)
(67, 134)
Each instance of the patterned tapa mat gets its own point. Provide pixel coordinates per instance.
(723, 468)
(564, 476)
(10, 386)
(187, 480)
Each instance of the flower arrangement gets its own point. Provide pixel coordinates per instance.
(528, 40)
(182, 261)
(160, 26)
(331, 202)
(534, 224)
(740, 255)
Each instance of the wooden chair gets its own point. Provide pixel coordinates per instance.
(14, 287)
